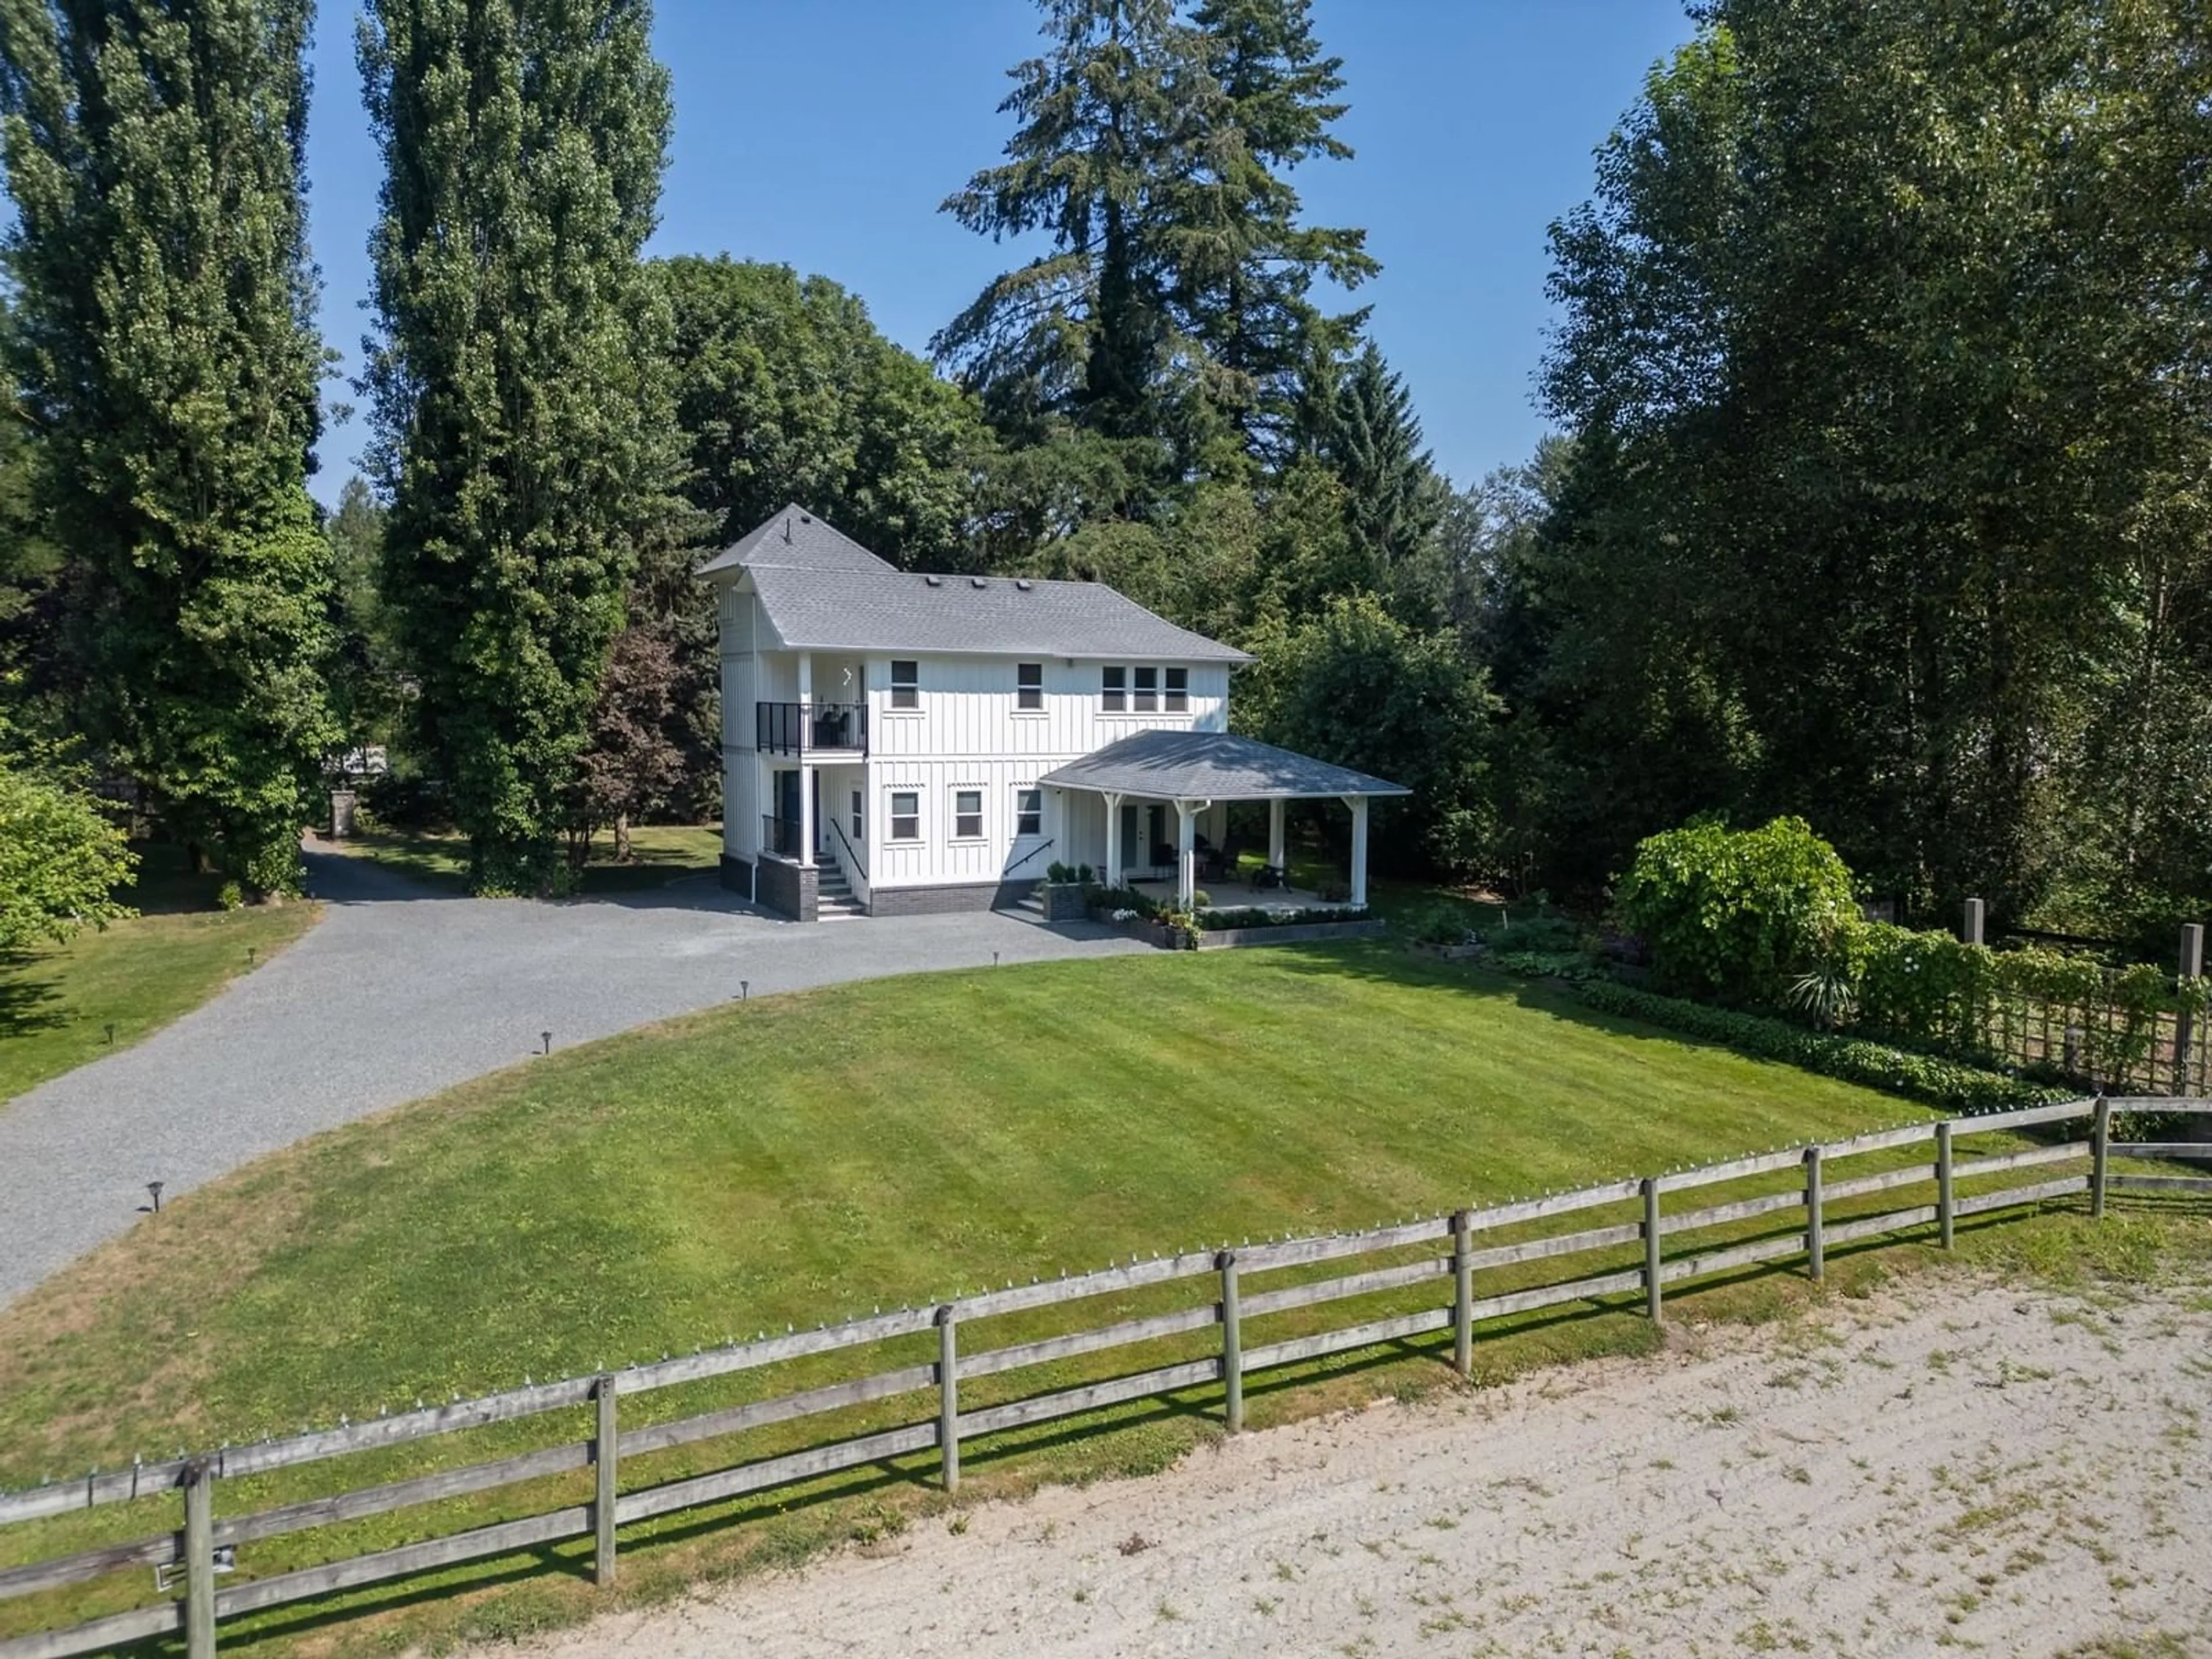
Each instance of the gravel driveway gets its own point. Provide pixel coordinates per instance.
(402, 990)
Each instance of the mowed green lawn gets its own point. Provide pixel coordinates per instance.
(57, 1002)
(800, 1158)
(660, 854)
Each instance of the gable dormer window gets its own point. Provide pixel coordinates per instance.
(1028, 685)
(1146, 697)
(906, 684)
(1114, 689)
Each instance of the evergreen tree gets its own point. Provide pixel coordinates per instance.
(1393, 497)
(519, 383)
(1172, 307)
(168, 358)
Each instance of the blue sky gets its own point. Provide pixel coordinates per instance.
(824, 134)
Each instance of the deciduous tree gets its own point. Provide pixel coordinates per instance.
(165, 346)
(518, 379)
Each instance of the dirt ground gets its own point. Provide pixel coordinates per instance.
(1953, 1464)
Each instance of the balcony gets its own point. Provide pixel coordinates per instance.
(798, 728)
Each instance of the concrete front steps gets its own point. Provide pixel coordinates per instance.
(833, 895)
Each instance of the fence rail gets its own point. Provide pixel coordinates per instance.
(1449, 1253)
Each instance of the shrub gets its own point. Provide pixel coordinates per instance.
(1119, 898)
(1436, 924)
(1334, 892)
(1729, 913)
(1940, 1082)
(1058, 873)
(1199, 898)
(1546, 964)
(1553, 933)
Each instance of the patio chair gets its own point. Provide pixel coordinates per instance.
(1270, 875)
(1219, 863)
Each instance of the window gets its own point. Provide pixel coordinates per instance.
(1029, 812)
(906, 684)
(1178, 698)
(860, 822)
(1028, 685)
(1147, 696)
(967, 815)
(906, 815)
(1114, 696)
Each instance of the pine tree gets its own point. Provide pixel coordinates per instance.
(1393, 497)
(519, 383)
(168, 357)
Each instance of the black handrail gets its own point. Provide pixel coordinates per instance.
(845, 841)
(1024, 859)
(799, 728)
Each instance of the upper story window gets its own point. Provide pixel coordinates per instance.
(1028, 685)
(1146, 696)
(967, 815)
(906, 684)
(1178, 692)
(1114, 693)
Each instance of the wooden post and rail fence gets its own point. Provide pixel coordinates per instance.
(210, 1547)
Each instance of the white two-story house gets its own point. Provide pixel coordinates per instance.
(895, 742)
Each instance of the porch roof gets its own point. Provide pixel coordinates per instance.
(1172, 765)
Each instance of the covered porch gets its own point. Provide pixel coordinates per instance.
(1169, 782)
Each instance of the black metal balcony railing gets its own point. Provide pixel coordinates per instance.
(781, 836)
(796, 728)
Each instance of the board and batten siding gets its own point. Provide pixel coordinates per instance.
(967, 709)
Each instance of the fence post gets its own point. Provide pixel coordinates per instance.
(1651, 1248)
(1463, 1293)
(1946, 1206)
(948, 1399)
(199, 1561)
(2100, 1143)
(1977, 914)
(1815, 1243)
(2184, 1023)
(1232, 1346)
(606, 1449)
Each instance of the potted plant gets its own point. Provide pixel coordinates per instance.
(1061, 893)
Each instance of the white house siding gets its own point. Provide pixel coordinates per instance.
(968, 732)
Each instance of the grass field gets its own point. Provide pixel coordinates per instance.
(661, 852)
(57, 1002)
(805, 1158)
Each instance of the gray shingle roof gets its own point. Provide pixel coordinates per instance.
(823, 592)
(1210, 765)
(795, 538)
(894, 611)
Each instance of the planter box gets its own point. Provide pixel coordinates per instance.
(1301, 932)
(1062, 901)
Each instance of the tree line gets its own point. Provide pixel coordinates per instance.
(1879, 492)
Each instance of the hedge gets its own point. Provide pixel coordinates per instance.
(1942, 1083)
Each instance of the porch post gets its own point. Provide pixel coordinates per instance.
(1186, 854)
(1275, 816)
(1113, 837)
(1359, 804)
(805, 812)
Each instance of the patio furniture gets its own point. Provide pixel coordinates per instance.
(1270, 875)
(1219, 863)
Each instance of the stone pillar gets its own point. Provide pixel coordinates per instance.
(1276, 814)
(1970, 929)
(342, 802)
(1359, 804)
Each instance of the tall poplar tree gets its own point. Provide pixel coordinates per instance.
(166, 350)
(518, 382)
